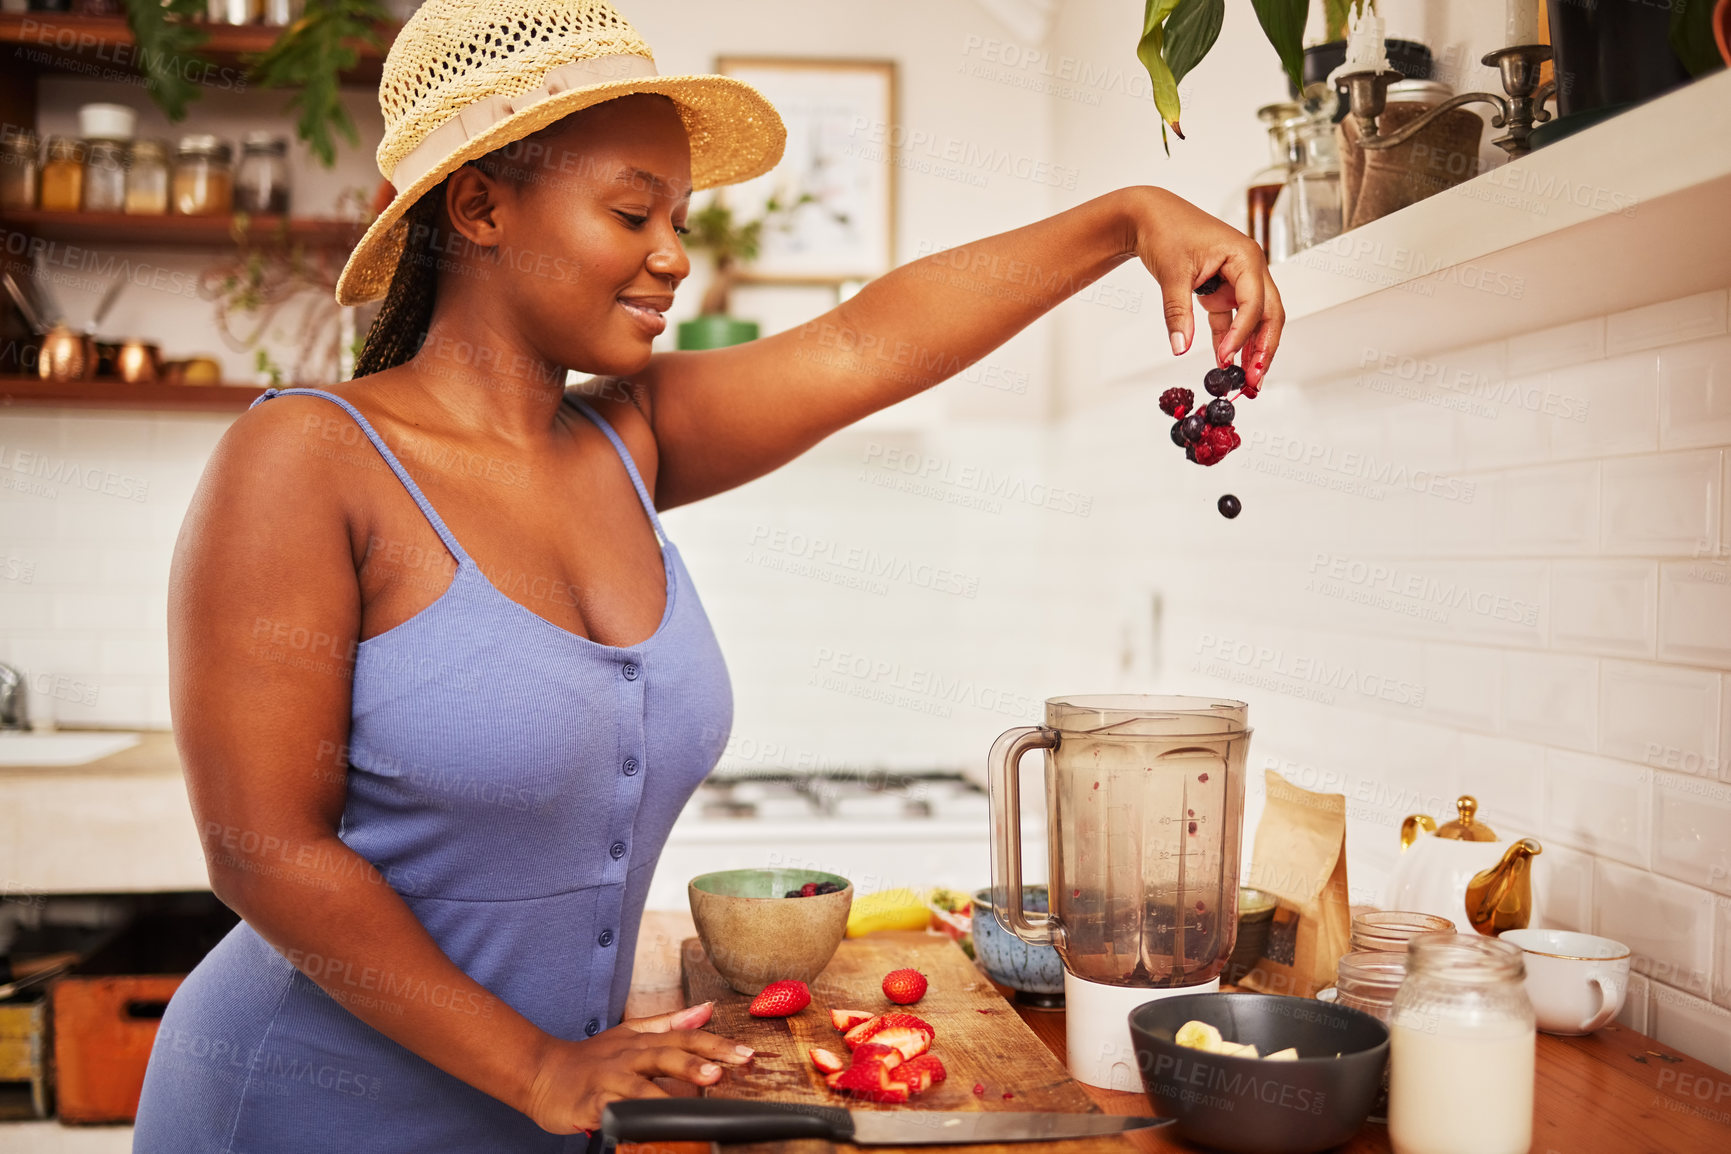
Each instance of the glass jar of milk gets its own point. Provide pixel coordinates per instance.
(1461, 1048)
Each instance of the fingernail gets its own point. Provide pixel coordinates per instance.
(1178, 345)
(744, 1051)
(709, 1069)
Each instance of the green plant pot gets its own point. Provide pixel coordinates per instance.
(715, 332)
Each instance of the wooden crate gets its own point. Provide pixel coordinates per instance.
(24, 1059)
(104, 1028)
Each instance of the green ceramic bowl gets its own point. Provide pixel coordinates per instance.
(754, 935)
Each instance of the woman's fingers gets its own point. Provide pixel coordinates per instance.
(1175, 290)
(674, 1062)
(690, 1018)
(1219, 322)
(1259, 354)
(1247, 286)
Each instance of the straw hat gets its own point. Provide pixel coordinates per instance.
(465, 77)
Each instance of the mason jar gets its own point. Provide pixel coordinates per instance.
(20, 159)
(1461, 1049)
(261, 181)
(63, 175)
(147, 178)
(203, 180)
(1391, 930)
(105, 176)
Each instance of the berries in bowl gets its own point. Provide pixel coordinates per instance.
(755, 934)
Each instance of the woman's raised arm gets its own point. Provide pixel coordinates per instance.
(726, 416)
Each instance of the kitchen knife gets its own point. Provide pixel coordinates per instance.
(738, 1120)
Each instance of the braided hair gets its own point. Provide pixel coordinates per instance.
(401, 324)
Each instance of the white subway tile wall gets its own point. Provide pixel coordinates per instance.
(1481, 581)
(1554, 525)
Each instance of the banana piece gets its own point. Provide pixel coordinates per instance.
(1199, 1036)
(1290, 1054)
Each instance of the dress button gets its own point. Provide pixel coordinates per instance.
(631, 767)
(592, 1027)
(630, 671)
(617, 850)
(606, 938)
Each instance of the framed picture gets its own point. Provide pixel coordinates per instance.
(840, 117)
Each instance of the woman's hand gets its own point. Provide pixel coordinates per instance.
(577, 1079)
(1183, 247)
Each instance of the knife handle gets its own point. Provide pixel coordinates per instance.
(721, 1120)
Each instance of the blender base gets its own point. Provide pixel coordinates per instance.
(1097, 1029)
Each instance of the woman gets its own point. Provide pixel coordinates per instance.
(440, 683)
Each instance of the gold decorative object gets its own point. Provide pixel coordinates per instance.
(1501, 898)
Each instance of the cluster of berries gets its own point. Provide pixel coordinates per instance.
(1206, 434)
(812, 889)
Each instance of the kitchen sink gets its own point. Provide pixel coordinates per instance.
(60, 749)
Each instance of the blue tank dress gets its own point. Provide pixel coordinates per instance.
(515, 783)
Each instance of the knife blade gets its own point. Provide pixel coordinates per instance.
(738, 1120)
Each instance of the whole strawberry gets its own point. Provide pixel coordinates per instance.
(904, 987)
(779, 999)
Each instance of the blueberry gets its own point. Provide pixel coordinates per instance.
(1212, 285)
(1178, 434)
(1191, 428)
(1235, 374)
(1220, 411)
(792, 894)
(1218, 382)
(1190, 452)
(1229, 506)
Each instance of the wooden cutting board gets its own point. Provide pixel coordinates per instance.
(979, 1036)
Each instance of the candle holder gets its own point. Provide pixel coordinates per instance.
(1523, 107)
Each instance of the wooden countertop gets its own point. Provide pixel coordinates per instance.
(1613, 1092)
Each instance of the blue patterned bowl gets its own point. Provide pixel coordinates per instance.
(1036, 973)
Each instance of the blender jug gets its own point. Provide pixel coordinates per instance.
(1145, 805)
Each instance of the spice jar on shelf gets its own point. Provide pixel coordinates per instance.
(63, 175)
(20, 163)
(147, 178)
(261, 181)
(203, 179)
(104, 176)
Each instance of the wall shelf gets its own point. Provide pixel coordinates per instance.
(225, 398)
(103, 48)
(168, 231)
(1614, 217)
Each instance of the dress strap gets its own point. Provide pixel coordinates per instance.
(630, 466)
(426, 506)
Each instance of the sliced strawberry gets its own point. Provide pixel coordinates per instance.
(833, 1081)
(827, 1062)
(871, 1081)
(845, 1020)
(878, 1052)
(920, 1074)
(904, 987)
(912, 1036)
(779, 999)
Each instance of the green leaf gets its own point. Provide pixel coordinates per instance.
(308, 57)
(1283, 22)
(167, 40)
(1692, 36)
(1191, 31)
(1148, 51)
(1334, 13)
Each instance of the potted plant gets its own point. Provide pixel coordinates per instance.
(731, 244)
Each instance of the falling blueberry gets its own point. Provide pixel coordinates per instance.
(1220, 412)
(1178, 434)
(1229, 506)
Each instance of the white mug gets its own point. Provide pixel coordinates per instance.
(1576, 982)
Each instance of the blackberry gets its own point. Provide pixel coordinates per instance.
(1177, 402)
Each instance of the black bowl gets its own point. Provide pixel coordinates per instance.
(1251, 1104)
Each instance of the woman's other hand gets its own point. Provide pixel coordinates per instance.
(576, 1080)
(1183, 247)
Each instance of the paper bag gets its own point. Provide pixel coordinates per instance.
(1300, 858)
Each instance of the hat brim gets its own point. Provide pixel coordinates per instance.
(735, 134)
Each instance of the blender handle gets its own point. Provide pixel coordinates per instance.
(1003, 766)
